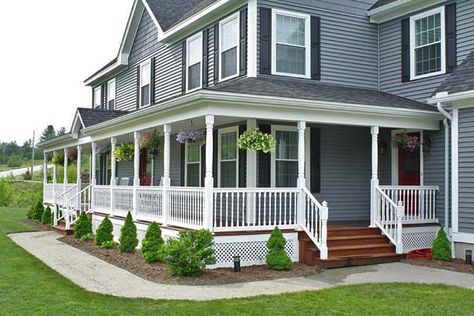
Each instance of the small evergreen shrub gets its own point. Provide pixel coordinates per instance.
(38, 211)
(83, 226)
(128, 235)
(88, 237)
(104, 232)
(277, 258)
(152, 243)
(189, 255)
(109, 244)
(47, 216)
(441, 246)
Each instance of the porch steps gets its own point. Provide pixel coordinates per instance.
(62, 230)
(349, 246)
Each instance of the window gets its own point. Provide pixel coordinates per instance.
(97, 97)
(291, 53)
(193, 62)
(228, 157)
(145, 78)
(427, 44)
(229, 46)
(111, 94)
(193, 165)
(285, 158)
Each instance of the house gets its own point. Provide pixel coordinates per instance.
(361, 171)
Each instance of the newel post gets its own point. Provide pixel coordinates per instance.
(66, 171)
(400, 215)
(301, 173)
(324, 230)
(209, 180)
(166, 172)
(136, 173)
(113, 170)
(374, 182)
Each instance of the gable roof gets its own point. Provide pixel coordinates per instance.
(92, 117)
(461, 79)
(317, 91)
(168, 13)
(381, 3)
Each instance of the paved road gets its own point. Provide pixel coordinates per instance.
(19, 171)
(98, 276)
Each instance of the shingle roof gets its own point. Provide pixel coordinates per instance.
(381, 3)
(311, 90)
(92, 117)
(168, 13)
(461, 79)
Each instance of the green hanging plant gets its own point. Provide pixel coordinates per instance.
(256, 140)
(124, 152)
(58, 158)
(151, 141)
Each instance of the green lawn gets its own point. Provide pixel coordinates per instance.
(27, 287)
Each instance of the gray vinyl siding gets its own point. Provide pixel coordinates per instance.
(168, 72)
(466, 170)
(385, 157)
(125, 170)
(390, 55)
(346, 172)
(210, 72)
(348, 40)
(175, 164)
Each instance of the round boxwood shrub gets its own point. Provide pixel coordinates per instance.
(104, 232)
(441, 246)
(47, 216)
(277, 258)
(38, 211)
(152, 243)
(189, 254)
(128, 235)
(83, 226)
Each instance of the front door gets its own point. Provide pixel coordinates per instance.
(409, 164)
(145, 168)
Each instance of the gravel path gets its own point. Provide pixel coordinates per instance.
(99, 276)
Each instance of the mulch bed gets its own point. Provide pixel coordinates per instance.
(157, 272)
(37, 225)
(457, 265)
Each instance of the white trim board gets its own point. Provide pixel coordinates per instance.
(467, 238)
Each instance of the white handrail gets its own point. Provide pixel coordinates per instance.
(83, 200)
(389, 217)
(315, 221)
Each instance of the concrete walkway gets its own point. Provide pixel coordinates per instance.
(99, 276)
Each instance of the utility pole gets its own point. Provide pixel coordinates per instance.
(32, 154)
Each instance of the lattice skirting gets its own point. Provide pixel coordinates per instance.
(423, 238)
(252, 249)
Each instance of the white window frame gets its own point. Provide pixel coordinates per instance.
(98, 92)
(307, 19)
(186, 163)
(192, 38)
(109, 83)
(221, 23)
(219, 153)
(413, 19)
(143, 65)
(307, 146)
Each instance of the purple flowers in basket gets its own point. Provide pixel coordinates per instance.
(193, 136)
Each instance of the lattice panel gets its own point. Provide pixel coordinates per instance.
(250, 252)
(417, 240)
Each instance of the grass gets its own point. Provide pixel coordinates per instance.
(28, 287)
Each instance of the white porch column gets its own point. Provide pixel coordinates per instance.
(166, 172)
(93, 163)
(374, 182)
(301, 182)
(251, 175)
(136, 172)
(113, 176)
(209, 180)
(65, 181)
(55, 179)
(45, 174)
(79, 179)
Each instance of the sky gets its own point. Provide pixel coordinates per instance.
(48, 48)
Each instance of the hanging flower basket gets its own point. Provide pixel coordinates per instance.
(410, 143)
(193, 136)
(103, 149)
(57, 158)
(124, 152)
(256, 140)
(151, 141)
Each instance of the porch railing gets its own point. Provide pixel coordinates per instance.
(101, 198)
(419, 202)
(150, 204)
(53, 191)
(315, 221)
(389, 217)
(186, 207)
(122, 200)
(242, 209)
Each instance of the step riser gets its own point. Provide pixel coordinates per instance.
(358, 252)
(356, 262)
(353, 232)
(359, 241)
